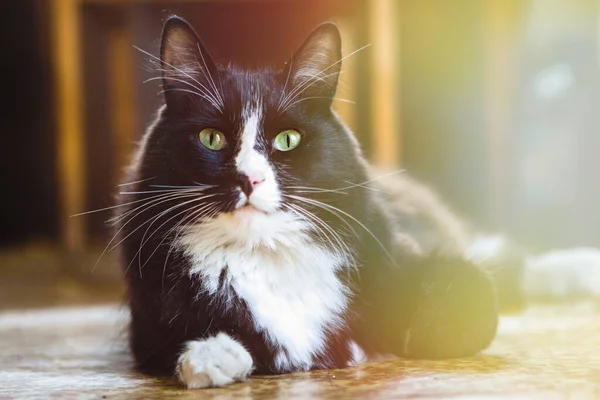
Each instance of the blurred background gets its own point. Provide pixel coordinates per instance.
(494, 103)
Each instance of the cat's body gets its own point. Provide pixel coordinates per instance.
(257, 246)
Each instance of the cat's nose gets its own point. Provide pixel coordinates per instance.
(248, 183)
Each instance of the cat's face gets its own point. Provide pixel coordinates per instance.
(260, 139)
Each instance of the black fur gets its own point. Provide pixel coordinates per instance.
(448, 305)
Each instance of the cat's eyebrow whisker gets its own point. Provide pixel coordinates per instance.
(303, 86)
(329, 208)
(323, 70)
(286, 83)
(202, 95)
(208, 76)
(192, 92)
(202, 90)
(318, 77)
(160, 62)
(299, 89)
(176, 69)
(316, 97)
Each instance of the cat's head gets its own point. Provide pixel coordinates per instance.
(259, 139)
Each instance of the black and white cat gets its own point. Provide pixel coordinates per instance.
(253, 243)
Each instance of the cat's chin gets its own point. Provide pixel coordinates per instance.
(249, 228)
(250, 209)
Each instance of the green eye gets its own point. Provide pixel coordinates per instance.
(287, 140)
(212, 139)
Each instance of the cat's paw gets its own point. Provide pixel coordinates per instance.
(216, 361)
(455, 310)
(431, 307)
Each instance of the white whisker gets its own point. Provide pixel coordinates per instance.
(202, 91)
(342, 248)
(144, 241)
(151, 202)
(286, 83)
(292, 95)
(133, 183)
(192, 92)
(316, 97)
(306, 189)
(124, 204)
(166, 191)
(209, 77)
(202, 88)
(178, 70)
(361, 184)
(152, 220)
(329, 208)
(299, 89)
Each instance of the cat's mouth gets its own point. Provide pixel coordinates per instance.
(254, 204)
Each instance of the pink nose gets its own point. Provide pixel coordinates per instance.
(248, 183)
(254, 181)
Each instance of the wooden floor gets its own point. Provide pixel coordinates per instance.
(548, 352)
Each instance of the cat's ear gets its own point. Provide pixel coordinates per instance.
(187, 68)
(315, 67)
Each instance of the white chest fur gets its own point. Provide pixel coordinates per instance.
(288, 281)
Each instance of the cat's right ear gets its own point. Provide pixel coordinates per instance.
(187, 68)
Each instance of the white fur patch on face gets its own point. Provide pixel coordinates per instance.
(266, 195)
(288, 281)
(216, 361)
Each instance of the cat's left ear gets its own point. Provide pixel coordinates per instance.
(186, 65)
(316, 66)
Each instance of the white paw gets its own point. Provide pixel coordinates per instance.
(216, 361)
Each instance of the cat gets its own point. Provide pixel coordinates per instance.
(255, 242)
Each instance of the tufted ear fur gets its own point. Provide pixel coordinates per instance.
(315, 67)
(186, 65)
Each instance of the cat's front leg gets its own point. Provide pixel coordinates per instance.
(216, 361)
(428, 307)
